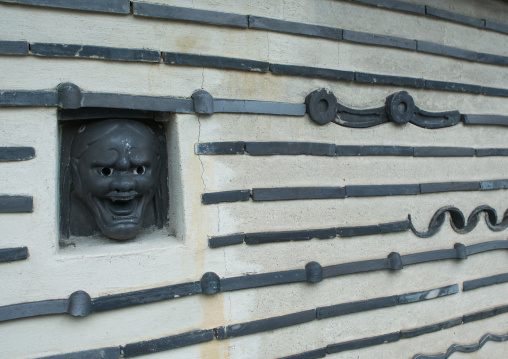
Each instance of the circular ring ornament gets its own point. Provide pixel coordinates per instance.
(321, 106)
(400, 107)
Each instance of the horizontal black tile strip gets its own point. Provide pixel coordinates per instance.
(28, 310)
(448, 15)
(101, 353)
(355, 267)
(484, 152)
(13, 254)
(289, 148)
(449, 187)
(220, 148)
(28, 98)
(494, 184)
(295, 193)
(458, 221)
(189, 14)
(262, 280)
(363, 343)
(94, 52)
(77, 305)
(259, 107)
(226, 196)
(465, 348)
(414, 332)
(111, 6)
(493, 91)
(484, 314)
(306, 234)
(411, 333)
(486, 247)
(137, 102)
(429, 256)
(313, 354)
(307, 71)
(396, 5)
(453, 86)
(16, 204)
(485, 120)
(263, 325)
(286, 236)
(382, 190)
(16, 153)
(300, 193)
(384, 302)
(444, 152)
(123, 300)
(260, 148)
(256, 22)
(222, 241)
(80, 303)
(495, 26)
(486, 281)
(382, 40)
(172, 342)
(175, 58)
(427, 294)
(389, 80)
(346, 150)
(13, 48)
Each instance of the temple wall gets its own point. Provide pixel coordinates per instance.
(395, 50)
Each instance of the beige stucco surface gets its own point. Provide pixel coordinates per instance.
(180, 252)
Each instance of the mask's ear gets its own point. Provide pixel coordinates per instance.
(76, 179)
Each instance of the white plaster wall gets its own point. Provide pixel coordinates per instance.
(180, 252)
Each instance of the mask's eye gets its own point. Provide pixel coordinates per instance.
(106, 171)
(139, 170)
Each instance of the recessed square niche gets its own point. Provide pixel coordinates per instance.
(113, 177)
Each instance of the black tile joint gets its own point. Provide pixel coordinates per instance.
(210, 283)
(395, 261)
(314, 272)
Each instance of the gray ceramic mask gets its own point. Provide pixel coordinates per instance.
(115, 167)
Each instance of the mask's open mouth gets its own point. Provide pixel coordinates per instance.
(122, 206)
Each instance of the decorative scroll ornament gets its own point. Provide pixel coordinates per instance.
(322, 106)
(465, 348)
(459, 223)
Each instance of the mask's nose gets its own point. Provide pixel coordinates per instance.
(123, 183)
